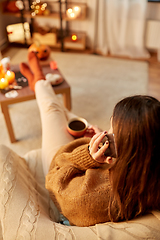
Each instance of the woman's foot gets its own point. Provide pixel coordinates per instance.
(33, 72)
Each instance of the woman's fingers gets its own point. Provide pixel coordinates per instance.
(95, 140)
(97, 149)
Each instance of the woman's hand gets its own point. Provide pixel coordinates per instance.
(96, 151)
(91, 131)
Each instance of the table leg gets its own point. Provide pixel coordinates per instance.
(67, 99)
(5, 111)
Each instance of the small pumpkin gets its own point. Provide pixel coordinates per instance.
(11, 7)
(42, 50)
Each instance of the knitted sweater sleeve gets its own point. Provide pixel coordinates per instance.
(78, 185)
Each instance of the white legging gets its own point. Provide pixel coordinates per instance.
(54, 118)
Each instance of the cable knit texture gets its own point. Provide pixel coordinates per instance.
(26, 211)
(78, 185)
(24, 203)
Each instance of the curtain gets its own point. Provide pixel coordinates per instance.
(121, 27)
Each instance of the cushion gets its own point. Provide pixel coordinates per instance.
(26, 211)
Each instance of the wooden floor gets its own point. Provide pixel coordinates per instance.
(153, 74)
(154, 77)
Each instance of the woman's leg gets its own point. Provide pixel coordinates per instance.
(54, 119)
(53, 115)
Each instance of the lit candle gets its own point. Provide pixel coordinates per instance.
(77, 10)
(3, 83)
(70, 13)
(74, 37)
(10, 76)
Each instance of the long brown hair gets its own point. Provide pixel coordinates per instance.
(136, 173)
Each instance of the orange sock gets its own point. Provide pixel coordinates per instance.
(25, 70)
(35, 66)
(34, 73)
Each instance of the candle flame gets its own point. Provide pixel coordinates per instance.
(8, 73)
(76, 8)
(72, 15)
(69, 10)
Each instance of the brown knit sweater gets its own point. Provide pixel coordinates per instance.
(78, 185)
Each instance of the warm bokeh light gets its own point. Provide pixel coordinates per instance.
(74, 37)
(10, 76)
(3, 83)
(77, 10)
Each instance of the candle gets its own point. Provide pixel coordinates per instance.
(10, 76)
(3, 83)
(74, 37)
(77, 10)
(70, 13)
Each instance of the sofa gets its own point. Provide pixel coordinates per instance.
(27, 212)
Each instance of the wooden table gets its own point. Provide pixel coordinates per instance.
(26, 94)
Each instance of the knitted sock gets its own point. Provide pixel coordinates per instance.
(25, 70)
(35, 66)
(34, 73)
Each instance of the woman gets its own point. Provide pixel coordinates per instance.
(86, 186)
(136, 172)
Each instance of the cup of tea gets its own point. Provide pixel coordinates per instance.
(77, 127)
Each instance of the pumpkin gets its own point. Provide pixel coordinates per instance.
(42, 50)
(11, 7)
